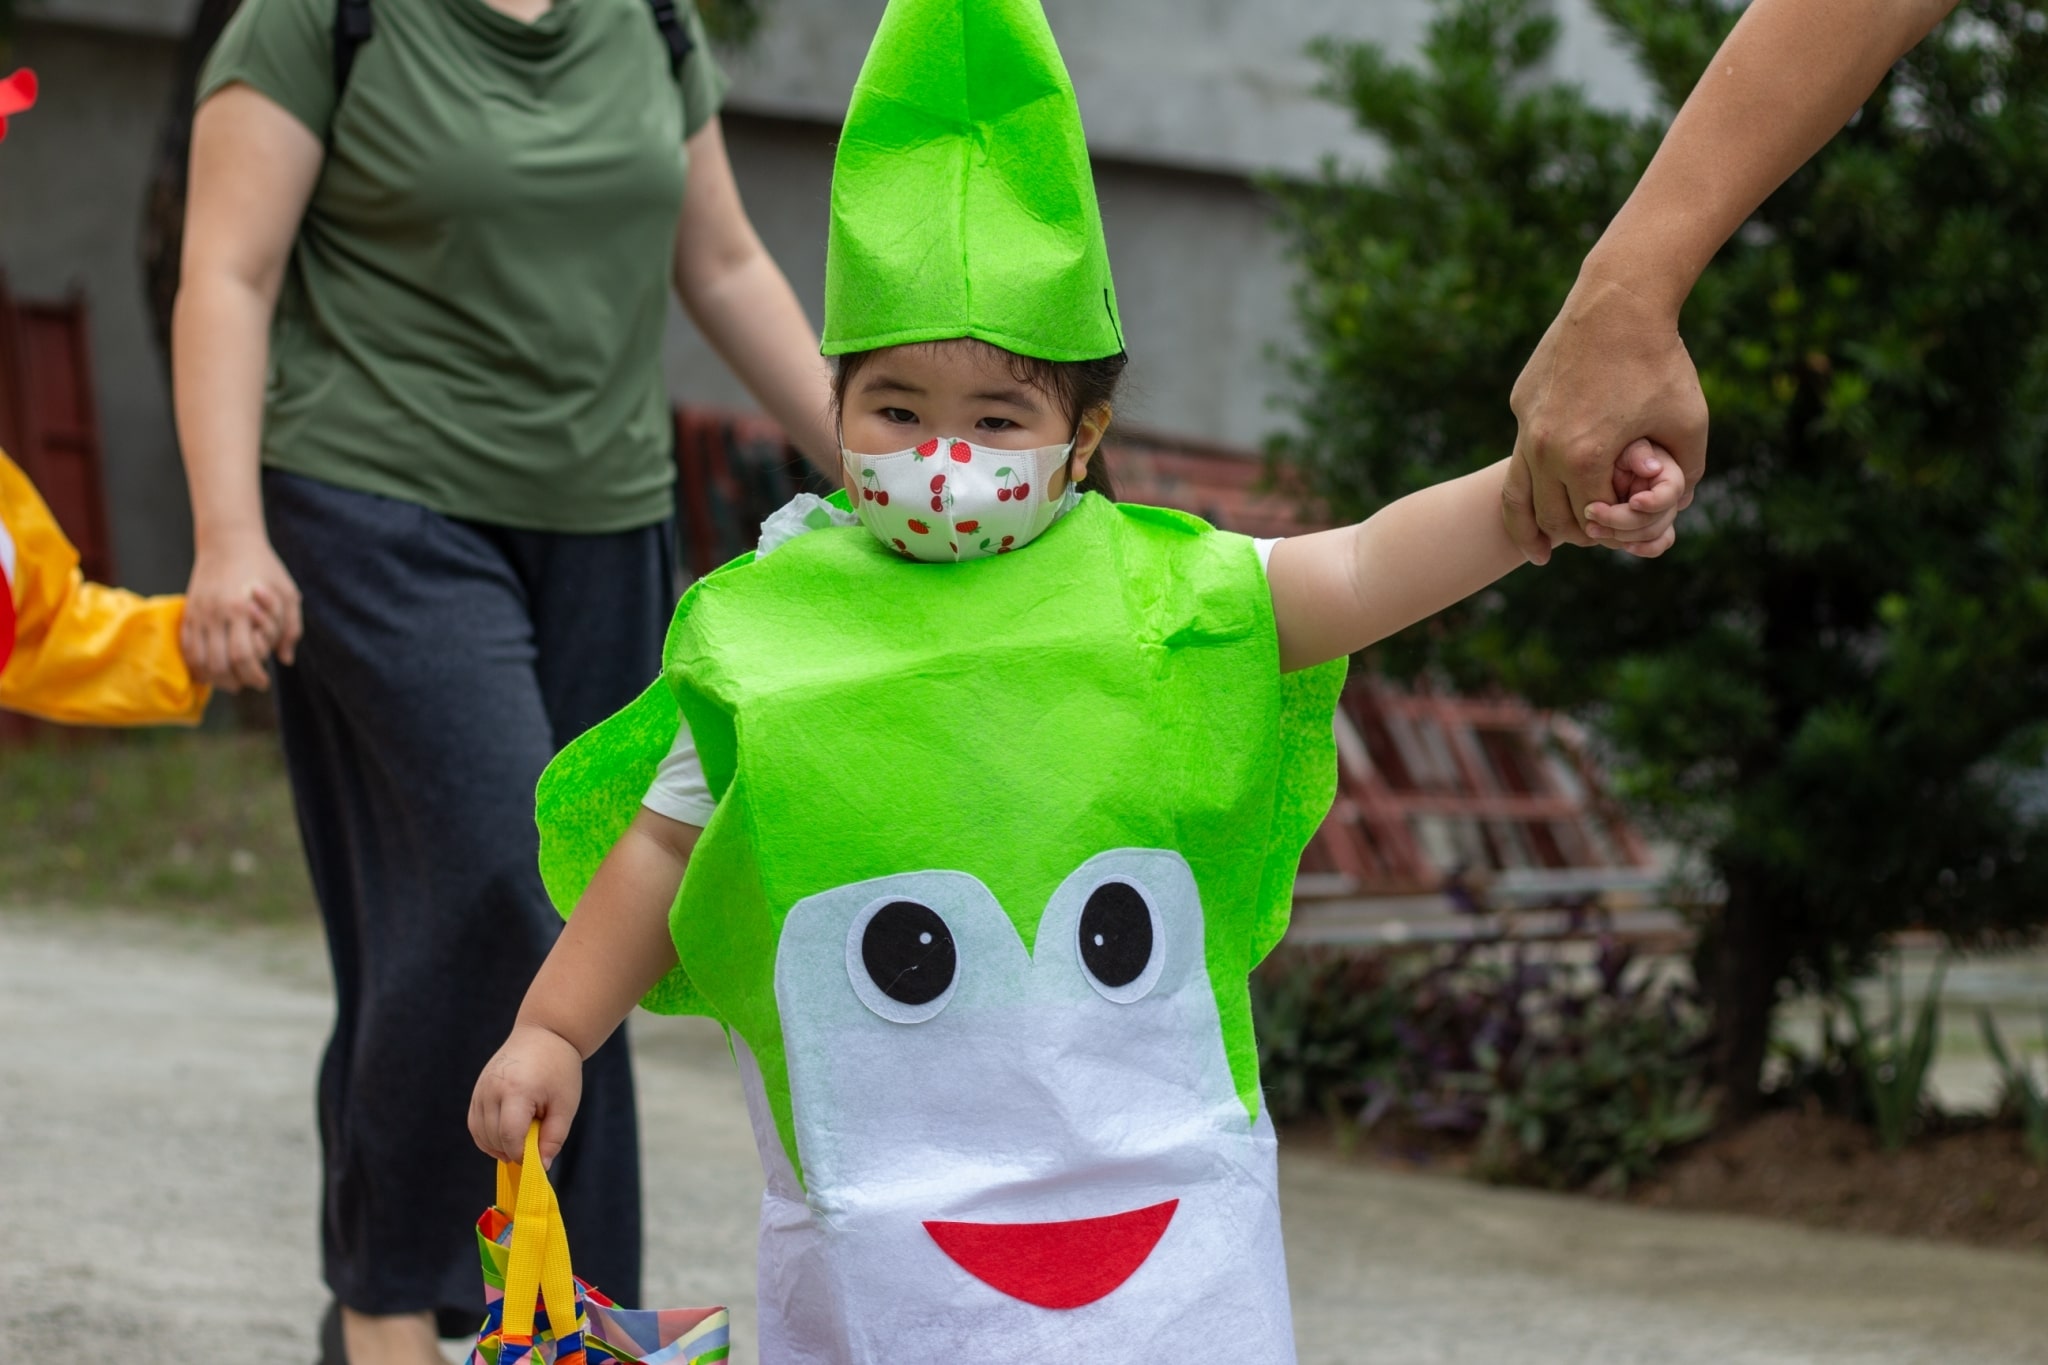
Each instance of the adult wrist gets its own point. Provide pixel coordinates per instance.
(1604, 293)
(225, 534)
(1641, 264)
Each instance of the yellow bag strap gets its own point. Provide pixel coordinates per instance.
(538, 1269)
(508, 1187)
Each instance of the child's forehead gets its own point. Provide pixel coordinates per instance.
(963, 364)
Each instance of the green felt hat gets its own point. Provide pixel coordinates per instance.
(962, 200)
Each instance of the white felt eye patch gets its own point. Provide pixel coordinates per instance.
(902, 959)
(1121, 942)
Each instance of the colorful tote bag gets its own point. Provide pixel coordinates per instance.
(530, 1292)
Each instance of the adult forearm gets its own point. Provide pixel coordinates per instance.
(752, 319)
(220, 349)
(1785, 81)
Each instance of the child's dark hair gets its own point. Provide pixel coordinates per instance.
(1075, 385)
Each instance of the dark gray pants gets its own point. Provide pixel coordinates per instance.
(444, 663)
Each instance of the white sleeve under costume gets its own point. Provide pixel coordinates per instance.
(680, 791)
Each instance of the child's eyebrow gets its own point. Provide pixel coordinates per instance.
(1019, 397)
(885, 383)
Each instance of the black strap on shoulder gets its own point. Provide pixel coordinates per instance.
(674, 32)
(351, 30)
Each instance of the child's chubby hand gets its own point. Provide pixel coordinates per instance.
(537, 1074)
(1649, 493)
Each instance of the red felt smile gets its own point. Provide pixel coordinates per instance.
(1056, 1265)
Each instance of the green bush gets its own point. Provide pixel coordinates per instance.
(2021, 1094)
(1890, 1064)
(1604, 1103)
(1559, 1077)
(1831, 689)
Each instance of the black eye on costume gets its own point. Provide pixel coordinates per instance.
(908, 952)
(1116, 935)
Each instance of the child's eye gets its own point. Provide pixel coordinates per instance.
(995, 424)
(901, 415)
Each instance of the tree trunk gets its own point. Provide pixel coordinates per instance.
(1741, 959)
(163, 211)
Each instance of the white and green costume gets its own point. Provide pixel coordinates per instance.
(996, 844)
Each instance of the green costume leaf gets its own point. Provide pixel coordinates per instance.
(962, 200)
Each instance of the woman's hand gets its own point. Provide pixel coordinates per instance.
(1611, 369)
(538, 1074)
(240, 607)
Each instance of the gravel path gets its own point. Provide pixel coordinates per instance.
(157, 1187)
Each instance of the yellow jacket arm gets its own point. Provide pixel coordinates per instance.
(84, 654)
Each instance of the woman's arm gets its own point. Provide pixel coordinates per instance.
(615, 948)
(1611, 368)
(253, 169)
(1335, 592)
(740, 300)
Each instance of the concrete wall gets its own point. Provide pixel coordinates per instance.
(1201, 277)
(1216, 85)
(71, 186)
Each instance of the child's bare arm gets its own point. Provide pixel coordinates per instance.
(1335, 592)
(613, 951)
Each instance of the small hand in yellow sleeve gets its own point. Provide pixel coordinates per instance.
(78, 652)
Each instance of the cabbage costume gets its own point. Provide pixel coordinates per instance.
(996, 842)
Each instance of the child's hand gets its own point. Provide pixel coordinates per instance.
(1649, 492)
(537, 1074)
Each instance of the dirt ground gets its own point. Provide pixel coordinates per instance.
(1975, 1185)
(157, 1181)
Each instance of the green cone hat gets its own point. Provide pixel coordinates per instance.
(962, 200)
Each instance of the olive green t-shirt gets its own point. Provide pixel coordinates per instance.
(472, 317)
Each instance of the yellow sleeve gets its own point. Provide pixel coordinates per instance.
(84, 654)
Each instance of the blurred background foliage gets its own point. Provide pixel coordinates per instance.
(1832, 688)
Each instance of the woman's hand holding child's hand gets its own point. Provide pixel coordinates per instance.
(537, 1074)
(240, 607)
(1649, 490)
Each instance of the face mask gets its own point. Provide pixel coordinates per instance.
(949, 500)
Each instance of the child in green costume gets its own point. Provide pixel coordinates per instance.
(971, 851)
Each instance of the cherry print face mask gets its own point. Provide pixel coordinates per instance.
(950, 500)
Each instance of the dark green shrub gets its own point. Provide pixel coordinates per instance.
(1832, 687)
(1563, 1077)
(2021, 1094)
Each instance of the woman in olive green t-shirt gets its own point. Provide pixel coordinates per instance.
(419, 389)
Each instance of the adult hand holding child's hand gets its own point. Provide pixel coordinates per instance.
(1611, 369)
(241, 607)
(537, 1074)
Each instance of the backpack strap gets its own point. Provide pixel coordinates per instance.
(352, 28)
(674, 32)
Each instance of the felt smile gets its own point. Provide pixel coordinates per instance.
(1056, 1265)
